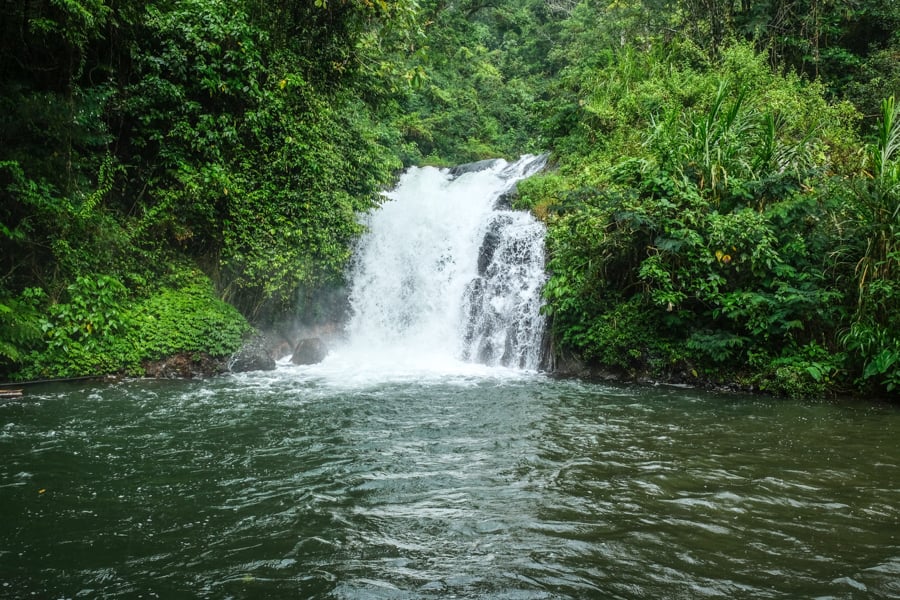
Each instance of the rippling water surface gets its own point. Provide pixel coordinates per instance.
(487, 484)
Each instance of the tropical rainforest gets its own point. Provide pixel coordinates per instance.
(723, 202)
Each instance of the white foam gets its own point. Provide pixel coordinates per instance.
(413, 274)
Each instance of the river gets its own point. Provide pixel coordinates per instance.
(492, 483)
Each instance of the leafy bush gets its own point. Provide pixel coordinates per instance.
(19, 328)
(99, 330)
(186, 320)
(801, 372)
(624, 337)
(82, 334)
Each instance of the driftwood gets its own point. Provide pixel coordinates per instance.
(11, 393)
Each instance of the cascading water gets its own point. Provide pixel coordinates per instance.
(447, 273)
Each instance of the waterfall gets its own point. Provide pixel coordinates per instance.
(448, 272)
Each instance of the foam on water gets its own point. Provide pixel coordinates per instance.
(347, 368)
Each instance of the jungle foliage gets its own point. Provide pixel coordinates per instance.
(723, 202)
(725, 209)
(225, 145)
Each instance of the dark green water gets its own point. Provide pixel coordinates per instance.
(291, 486)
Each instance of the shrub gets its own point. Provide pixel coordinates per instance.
(189, 319)
(99, 330)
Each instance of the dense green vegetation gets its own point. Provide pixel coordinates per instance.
(180, 152)
(723, 202)
(722, 210)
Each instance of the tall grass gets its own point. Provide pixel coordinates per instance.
(873, 335)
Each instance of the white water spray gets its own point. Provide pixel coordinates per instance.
(445, 280)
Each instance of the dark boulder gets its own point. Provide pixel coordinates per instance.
(506, 199)
(309, 351)
(492, 238)
(472, 167)
(254, 355)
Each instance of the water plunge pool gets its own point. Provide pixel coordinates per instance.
(494, 484)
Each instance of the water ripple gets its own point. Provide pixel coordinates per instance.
(270, 485)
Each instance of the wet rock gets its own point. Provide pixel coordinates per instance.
(492, 239)
(185, 366)
(505, 200)
(254, 355)
(309, 351)
(472, 167)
